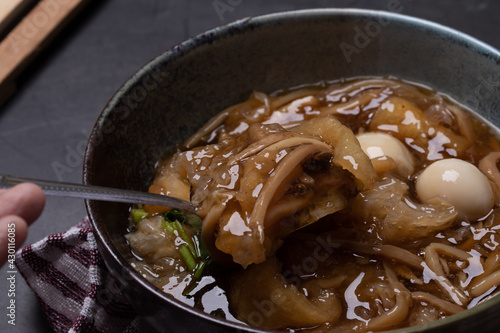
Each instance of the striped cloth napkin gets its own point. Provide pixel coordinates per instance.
(72, 284)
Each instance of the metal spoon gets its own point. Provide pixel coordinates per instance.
(91, 192)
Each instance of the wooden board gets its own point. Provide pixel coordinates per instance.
(28, 38)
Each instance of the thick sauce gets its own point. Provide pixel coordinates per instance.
(322, 210)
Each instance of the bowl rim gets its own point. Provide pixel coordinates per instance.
(227, 31)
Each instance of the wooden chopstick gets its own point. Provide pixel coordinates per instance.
(11, 11)
(30, 36)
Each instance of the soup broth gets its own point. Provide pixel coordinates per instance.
(355, 205)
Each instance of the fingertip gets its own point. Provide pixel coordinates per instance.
(25, 200)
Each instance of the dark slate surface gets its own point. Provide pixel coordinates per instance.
(47, 122)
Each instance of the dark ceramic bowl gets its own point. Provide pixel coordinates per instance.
(176, 93)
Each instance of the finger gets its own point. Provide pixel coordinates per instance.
(25, 200)
(13, 232)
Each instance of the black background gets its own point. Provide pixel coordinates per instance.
(62, 93)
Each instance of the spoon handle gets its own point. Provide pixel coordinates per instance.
(91, 192)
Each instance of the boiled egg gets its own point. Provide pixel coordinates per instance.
(459, 183)
(382, 147)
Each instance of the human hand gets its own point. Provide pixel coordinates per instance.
(19, 207)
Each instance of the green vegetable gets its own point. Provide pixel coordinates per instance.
(198, 274)
(175, 215)
(187, 257)
(168, 226)
(193, 252)
(192, 220)
(199, 269)
(138, 214)
(201, 251)
(185, 237)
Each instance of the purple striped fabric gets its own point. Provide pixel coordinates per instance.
(74, 289)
